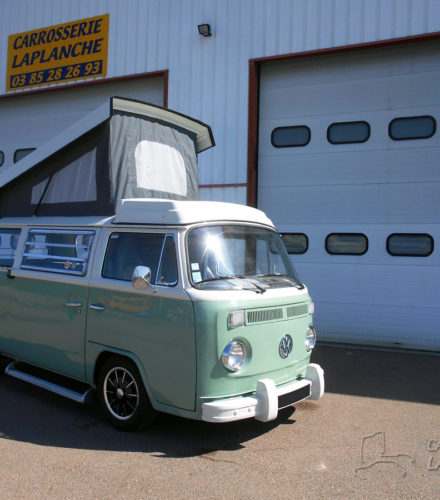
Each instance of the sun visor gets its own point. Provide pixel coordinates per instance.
(130, 150)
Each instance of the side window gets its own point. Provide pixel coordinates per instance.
(168, 266)
(125, 251)
(8, 246)
(21, 153)
(412, 127)
(57, 251)
(346, 244)
(410, 245)
(295, 243)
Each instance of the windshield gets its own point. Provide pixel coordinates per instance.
(239, 257)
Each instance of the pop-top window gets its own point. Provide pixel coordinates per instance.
(293, 137)
(58, 251)
(21, 153)
(125, 251)
(348, 132)
(410, 245)
(412, 127)
(8, 246)
(2, 158)
(295, 243)
(346, 244)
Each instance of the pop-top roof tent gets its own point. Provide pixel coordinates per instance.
(123, 149)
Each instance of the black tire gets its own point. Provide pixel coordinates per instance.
(122, 395)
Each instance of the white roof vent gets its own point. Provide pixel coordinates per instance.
(172, 212)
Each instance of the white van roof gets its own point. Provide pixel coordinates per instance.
(172, 212)
(153, 211)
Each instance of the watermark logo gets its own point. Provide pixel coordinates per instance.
(434, 459)
(374, 454)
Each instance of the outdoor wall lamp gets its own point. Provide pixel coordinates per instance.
(204, 29)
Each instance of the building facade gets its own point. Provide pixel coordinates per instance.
(325, 114)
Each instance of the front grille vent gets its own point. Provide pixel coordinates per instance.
(298, 310)
(264, 315)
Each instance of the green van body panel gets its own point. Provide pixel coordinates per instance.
(261, 341)
(38, 327)
(158, 328)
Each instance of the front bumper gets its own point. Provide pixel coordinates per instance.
(267, 400)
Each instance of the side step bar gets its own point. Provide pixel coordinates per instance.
(49, 386)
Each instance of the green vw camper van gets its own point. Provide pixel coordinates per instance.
(116, 281)
(189, 308)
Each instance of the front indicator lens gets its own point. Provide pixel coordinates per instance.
(236, 318)
(234, 355)
(310, 338)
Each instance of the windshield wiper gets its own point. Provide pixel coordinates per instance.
(256, 285)
(299, 285)
(216, 278)
(226, 277)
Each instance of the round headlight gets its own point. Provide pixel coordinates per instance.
(233, 355)
(310, 338)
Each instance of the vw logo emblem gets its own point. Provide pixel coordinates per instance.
(286, 346)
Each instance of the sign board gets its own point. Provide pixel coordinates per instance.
(60, 53)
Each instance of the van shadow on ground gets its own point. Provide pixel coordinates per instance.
(32, 415)
(403, 376)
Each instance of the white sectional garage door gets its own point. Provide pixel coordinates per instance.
(355, 179)
(30, 120)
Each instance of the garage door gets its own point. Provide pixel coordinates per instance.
(349, 170)
(29, 120)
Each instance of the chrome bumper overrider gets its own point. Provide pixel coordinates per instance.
(267, 400)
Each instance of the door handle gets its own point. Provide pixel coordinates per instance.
(96, 307)
(75, 305)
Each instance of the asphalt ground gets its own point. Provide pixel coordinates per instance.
(375, 434)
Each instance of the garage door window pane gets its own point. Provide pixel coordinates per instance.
(410, 245)
(346, 244)
(295, 243)
(21, 153)
(2, 158)
(284, 137)
(414, 127)
(348, 132)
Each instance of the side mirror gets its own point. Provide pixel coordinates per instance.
(141, 277)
